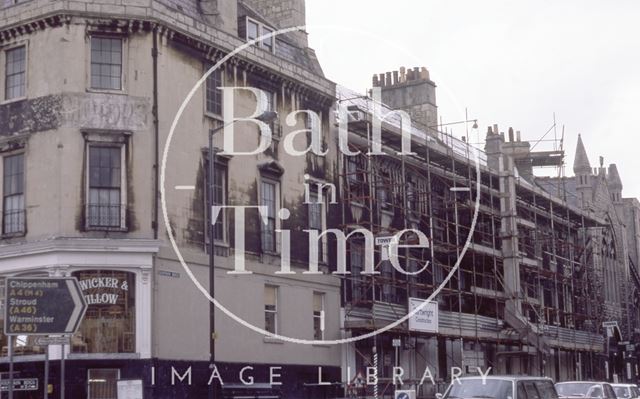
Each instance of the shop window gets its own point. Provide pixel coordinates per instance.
(102, 383)
(109, 324)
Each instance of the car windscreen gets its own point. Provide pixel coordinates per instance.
(578, 389)
(477, 388)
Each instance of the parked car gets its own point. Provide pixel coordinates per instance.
(585, 389)
(500, 387)
(626, 391)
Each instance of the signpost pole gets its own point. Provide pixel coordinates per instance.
(10, 367)
(62, 372)
(46, 372)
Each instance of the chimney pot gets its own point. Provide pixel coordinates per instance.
(403, 76)
(495, 128)
(375, 81)
(389, 81)
(518, 135)
(382, 82)
(424, 74)
(395, 77)
(510, 134)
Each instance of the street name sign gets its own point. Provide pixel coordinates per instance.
(43, 306)
(20, 384)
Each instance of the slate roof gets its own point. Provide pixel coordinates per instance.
(285, 49)
(558, 187)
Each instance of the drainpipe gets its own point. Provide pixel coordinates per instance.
(156, 128)
(156, 139)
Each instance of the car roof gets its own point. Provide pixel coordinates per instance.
(506, 377)
(583, 382)
(623, 385)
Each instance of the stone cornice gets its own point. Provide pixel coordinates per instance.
(85, 245)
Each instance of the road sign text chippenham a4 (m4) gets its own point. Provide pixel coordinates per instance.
(43, 306)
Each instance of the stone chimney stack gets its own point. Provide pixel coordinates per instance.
(410, 90)
(283, 13)
(222, 14)
(520, 151)
(493, 147)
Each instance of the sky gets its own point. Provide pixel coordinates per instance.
(509, 63)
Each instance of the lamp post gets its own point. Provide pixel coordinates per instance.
(266, 117)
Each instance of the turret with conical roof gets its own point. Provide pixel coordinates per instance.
(614, 183)
(583, 172)
(581, 163)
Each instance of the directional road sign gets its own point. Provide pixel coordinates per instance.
(43, 306)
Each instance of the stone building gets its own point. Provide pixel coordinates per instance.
(89, 91)
(598, 190)
(540, 274)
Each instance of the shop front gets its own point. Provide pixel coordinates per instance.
(113, 342)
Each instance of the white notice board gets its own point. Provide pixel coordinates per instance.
(130, 389)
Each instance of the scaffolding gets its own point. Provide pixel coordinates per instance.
(552, 300)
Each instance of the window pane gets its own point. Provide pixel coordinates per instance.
(219, 198)
(267, 43)
(315, 212)
(317, 328)
(269, 230)
(270, 308)
(213, 95)
(106, 63)
(252, 30)
(270, 322)
(317, 302)
(356, 259)
(104, 200)
(103, 383)
(109, 324)
(13, 194)
(270, 296)
(15, 75)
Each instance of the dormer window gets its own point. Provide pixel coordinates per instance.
(256, 29)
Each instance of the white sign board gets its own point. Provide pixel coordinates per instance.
(130, 389)
(426, 319)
